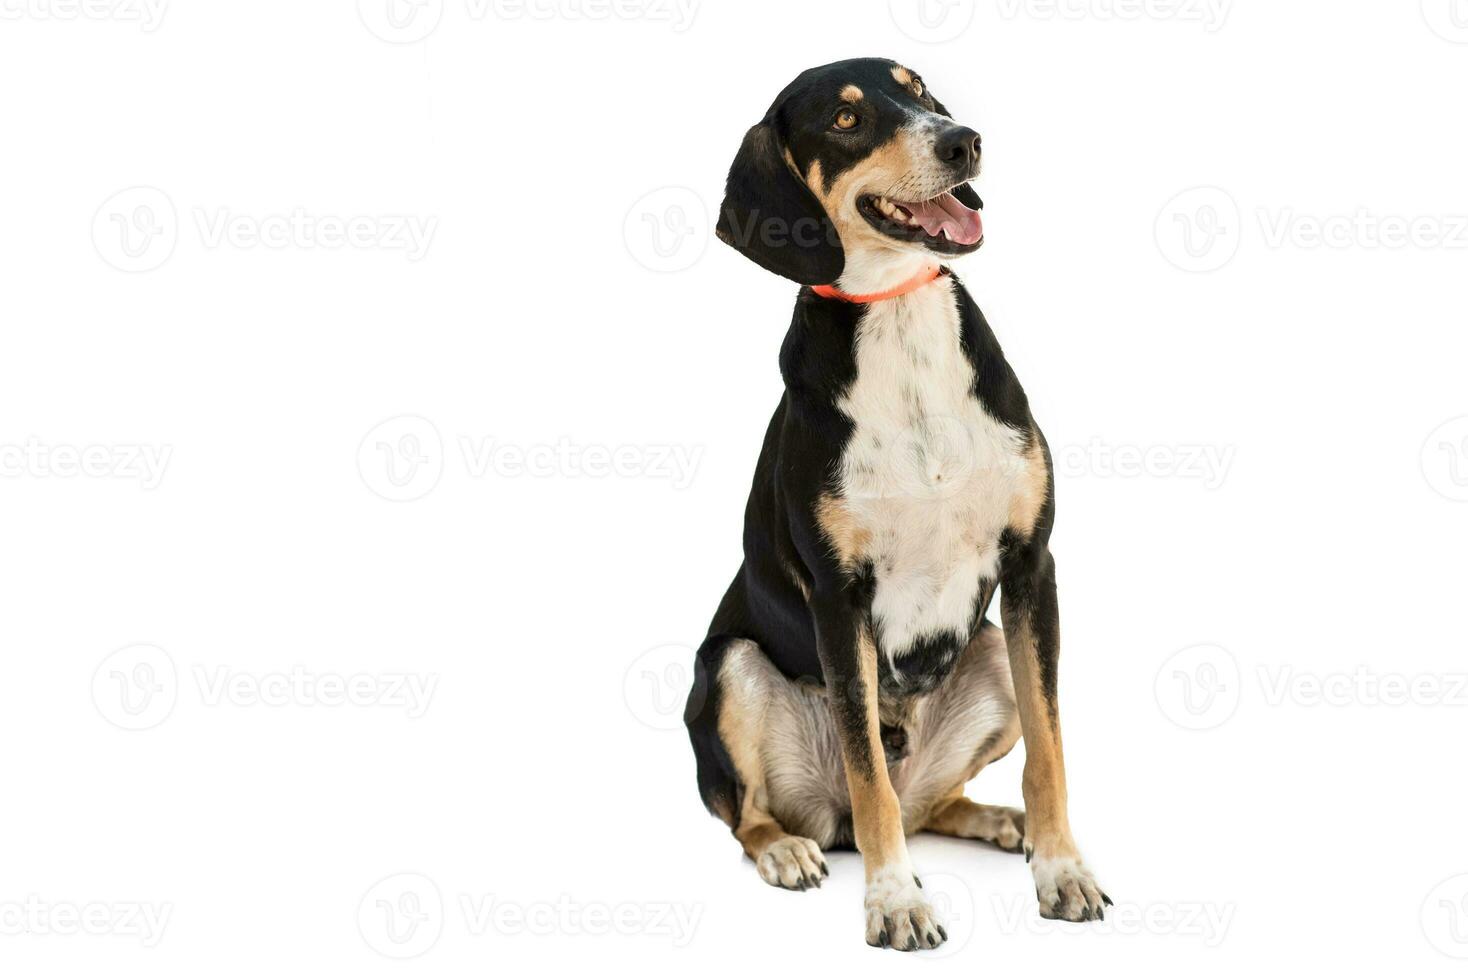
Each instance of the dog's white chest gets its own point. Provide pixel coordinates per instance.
(928, 474)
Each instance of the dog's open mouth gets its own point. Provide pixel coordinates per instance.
(944, 223)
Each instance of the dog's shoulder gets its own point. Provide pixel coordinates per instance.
(995, 383)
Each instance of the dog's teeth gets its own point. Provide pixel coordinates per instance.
(943, 234)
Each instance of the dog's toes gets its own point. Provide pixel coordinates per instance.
(899, 916)
(1067, 890)
(1009, 830)
(793, 862)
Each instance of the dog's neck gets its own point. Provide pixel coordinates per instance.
(925, 277)
(876, 271)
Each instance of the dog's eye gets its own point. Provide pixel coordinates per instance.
(846, 119)
(917, 87)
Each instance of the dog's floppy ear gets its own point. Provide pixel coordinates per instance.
(773, 218)
(966, 195)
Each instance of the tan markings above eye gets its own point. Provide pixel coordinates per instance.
(846, 119)
(851, 94)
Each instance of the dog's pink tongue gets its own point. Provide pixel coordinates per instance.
(946, 213)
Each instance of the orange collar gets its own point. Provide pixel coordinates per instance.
(916, 282)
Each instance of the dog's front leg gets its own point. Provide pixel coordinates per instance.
(897, 914)
(1063, 885)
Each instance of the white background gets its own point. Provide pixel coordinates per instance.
(386, 462)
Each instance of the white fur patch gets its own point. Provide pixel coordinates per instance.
(898, 914)
(927, 472)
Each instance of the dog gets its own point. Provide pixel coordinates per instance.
(851, 683)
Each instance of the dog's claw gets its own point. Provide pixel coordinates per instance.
(794, 863)
(898, 915)
(1067, 890)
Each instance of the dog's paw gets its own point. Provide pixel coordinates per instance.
(1006, 829)
(1067, 890)
(898, 915)
(793, 862)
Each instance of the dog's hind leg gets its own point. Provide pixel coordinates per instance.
(747, 709)
(967, 723)
(959, 816)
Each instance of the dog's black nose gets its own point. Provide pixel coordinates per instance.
(959, 147)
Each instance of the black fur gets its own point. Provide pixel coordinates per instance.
(773, 218)
(791, 596)
(768, 213)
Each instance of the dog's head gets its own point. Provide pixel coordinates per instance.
(855, 163)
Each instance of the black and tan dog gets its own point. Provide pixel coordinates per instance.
(850, 684)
